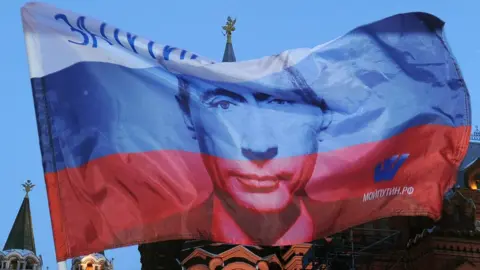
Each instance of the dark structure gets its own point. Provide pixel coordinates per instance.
(395, 243)
(161, 255)
(19, 251)
(21, 234)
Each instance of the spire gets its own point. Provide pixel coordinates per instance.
(21, 234)
(229, 54)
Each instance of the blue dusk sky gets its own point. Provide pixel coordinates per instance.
(264, 28)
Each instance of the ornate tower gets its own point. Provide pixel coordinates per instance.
(229, 54)
(94, 261)
(19, 251)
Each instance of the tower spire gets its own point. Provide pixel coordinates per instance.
(21, 234)
(229, 27)
(27, 187)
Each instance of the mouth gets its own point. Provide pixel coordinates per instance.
(260, 184)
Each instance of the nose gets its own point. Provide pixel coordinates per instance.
(260, 156)
(258, 141)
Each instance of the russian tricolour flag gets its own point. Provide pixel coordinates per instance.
(145, 142)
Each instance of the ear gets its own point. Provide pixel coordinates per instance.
(187, 119)
(327, 120)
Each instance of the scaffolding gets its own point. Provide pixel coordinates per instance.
(356, 246)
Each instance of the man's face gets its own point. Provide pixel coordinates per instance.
(259, 149)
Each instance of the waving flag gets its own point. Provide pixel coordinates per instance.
(144, 142)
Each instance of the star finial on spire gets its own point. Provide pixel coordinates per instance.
(229, 28)
(27, 187)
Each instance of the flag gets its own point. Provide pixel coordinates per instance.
(145, 142)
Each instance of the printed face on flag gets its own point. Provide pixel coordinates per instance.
(163, 144)
(244, 133)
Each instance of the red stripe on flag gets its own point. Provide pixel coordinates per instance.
(129, 199)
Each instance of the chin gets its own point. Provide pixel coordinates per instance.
(263, 203)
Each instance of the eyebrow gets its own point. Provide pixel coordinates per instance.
(222, 92)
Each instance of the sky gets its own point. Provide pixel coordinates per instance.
(263, 28)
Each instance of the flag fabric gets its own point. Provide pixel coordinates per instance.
(145, 142)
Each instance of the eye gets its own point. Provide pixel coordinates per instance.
(223, 104)
(280, 101)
